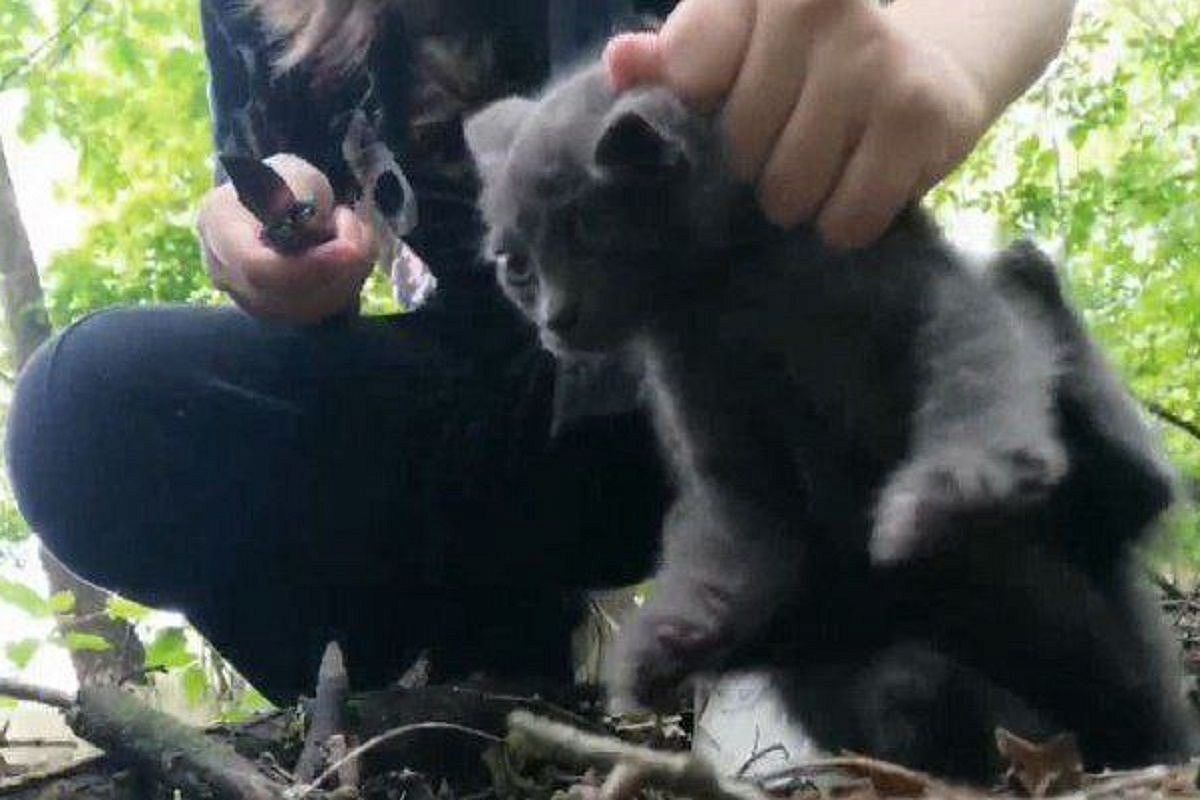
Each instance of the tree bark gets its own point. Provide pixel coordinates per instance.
(24, 305)
(28, 326)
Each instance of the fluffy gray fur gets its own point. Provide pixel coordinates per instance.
(879, 455)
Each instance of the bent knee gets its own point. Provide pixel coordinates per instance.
(68, 415)
(31, 447)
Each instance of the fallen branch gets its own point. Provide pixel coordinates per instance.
(132, 733)
(19, 690)
(631, 768)
(22, 784)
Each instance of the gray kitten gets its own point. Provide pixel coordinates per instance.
(867, 446)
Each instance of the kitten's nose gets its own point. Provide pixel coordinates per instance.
(563, 318)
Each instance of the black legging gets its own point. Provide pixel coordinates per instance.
(387, 481)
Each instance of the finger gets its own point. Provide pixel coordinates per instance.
(347, 256)
(217, 270)
(766, 89)
(808, 156)
(233, 237)
(702, 45)
(299, 309)
(880, 178)
(290, 276)
(633, 59)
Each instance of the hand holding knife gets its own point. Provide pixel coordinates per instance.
(294, 216)
(294, 203)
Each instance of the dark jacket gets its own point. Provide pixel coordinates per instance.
(424, 73)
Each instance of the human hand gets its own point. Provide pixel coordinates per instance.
(839, 110)
(305, 287)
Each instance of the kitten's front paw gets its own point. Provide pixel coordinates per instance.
(925, 499)
(654, 654)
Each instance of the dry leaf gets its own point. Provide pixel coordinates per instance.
(1051, 767)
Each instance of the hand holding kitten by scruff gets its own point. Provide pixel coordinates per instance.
(843, 111)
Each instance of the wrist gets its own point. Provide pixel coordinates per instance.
(1000, 48)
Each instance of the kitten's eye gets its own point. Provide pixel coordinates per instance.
(516, 267)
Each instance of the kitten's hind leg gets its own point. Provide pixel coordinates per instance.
(983, 437)
(1090, 654)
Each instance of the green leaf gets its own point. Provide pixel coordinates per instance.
(127, 611)
(62, 602)
(21, 653)
(12, 525)
(86, 643)
(24, 598)
(169, 650)
(248, 706)
(195, 685)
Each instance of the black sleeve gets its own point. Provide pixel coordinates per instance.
(256, 113)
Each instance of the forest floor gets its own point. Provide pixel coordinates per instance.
(480, 740)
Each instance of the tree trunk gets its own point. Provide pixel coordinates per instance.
(28, 326)
(24, 306)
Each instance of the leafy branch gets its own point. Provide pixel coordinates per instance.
(35, 55)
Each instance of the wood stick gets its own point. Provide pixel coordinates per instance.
(680, 773)
(131, 732)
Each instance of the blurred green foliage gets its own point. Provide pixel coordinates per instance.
(126, 89)
(1099, 163)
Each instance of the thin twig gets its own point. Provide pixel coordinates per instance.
(385, 737)
(873, 768)
(1173, 593)
(19, 690)
(47, 744)
(681, 773)
(1120, 783)
(28, 62)
(1169, 416)
(535, 701)
(604, 616)
(759, 755)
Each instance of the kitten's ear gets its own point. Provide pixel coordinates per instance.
(490, 132)
(632, 142)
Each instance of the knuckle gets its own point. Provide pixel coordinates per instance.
(219, 195)
(912, 102)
